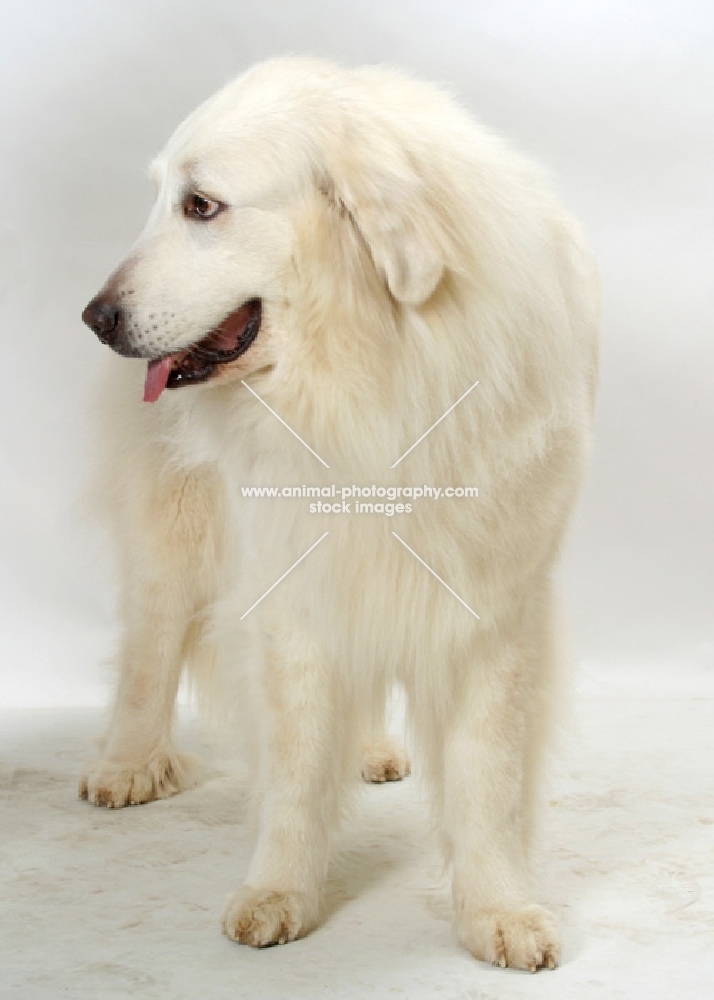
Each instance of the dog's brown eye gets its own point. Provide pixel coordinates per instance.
(197, 206)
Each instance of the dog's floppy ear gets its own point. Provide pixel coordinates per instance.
(386, 201)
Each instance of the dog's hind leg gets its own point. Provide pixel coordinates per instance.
(171, 526)
(384, 756)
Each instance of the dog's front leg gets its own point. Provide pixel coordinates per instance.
(170, 534)
(492, 748)
(304, 738)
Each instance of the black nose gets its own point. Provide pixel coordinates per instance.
(104, 318)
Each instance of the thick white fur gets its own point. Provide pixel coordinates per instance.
(401, 253)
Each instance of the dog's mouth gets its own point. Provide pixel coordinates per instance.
(231, 338)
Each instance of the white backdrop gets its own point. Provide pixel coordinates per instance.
(615, 97)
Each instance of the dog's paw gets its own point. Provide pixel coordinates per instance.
(525, 938)
(116, 783)
(261, 917)
(385, 760)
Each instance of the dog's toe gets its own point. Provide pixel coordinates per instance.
(262, 917)
(115, 784)
(385, 760)
(525, 938)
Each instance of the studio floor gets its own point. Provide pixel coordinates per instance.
(102, 904)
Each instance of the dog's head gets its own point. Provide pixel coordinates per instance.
(202, 295)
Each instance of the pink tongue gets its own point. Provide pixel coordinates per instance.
(157, 375)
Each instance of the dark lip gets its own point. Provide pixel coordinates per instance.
(201, 361)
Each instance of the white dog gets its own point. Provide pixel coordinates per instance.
(343, 254)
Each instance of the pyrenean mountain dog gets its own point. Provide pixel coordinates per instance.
(345, 283)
